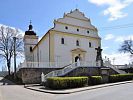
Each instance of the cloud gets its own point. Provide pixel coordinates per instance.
(122, 38)
(105, 48)
(118, 38)
(114, 7)
(119, 58)
(109, 37)
(20, 31)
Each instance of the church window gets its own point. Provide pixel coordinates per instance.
(77, 30)
(88, 32)
(66, 27)
(30, 49)
(62, 41)
(90, 45)
(77, 43)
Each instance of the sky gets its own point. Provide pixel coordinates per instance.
(113, 18)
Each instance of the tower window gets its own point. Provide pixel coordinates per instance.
(90, 44)
(66, 27)
(62, 41)
(30, 49)
(77, 30)
(88, 32)
(77, 43)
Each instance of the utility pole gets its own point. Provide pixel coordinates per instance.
(14, 38)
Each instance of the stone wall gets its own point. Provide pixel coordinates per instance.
(33, 75)
(85, 71)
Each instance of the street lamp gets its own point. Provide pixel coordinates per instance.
(14, 39)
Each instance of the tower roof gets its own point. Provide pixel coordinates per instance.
(30, 31)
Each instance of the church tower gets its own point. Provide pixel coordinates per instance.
(30, 41)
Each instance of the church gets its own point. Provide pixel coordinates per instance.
(71, 48)
(73, 38)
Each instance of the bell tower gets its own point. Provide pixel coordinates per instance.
(30, 41)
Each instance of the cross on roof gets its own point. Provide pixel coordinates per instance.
(30, 22)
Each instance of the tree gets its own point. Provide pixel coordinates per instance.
(7, 44)
(127, 47)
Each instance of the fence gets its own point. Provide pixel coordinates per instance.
(53, 64)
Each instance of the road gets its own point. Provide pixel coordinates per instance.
(118, 92)
(18, 92)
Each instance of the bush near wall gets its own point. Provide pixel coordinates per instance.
(120, 77)
(66, 82)
(95, 80)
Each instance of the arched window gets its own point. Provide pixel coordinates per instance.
(90, 44)
(77, 43)
(77, 30)
(62, 41)
(30, 49)
(88, 32)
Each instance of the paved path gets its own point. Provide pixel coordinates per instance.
(117, 92)
(15, 92)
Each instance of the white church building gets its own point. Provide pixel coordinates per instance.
(72, 39)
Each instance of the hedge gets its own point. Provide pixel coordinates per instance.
(94, 80)
(66, 82)
(120, 77)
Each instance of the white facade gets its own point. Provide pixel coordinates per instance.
(73, 27)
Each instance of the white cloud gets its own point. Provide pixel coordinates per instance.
(103, 2)
(105, 48)
(114, 7)
(122, 38)
(109, 37)
(119, 58)
(118, 38)
(20, 31)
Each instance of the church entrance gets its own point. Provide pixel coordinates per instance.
(78, 60)
(78, 56)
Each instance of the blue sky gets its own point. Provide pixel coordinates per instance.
(103, 13)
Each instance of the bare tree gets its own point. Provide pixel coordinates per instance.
(127, 47)
(7, 44)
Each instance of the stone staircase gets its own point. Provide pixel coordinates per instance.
(118, 70)
(69, 68)
(61, 72)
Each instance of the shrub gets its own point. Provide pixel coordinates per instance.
(66, 82)
(94, 80)
(120, 77)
